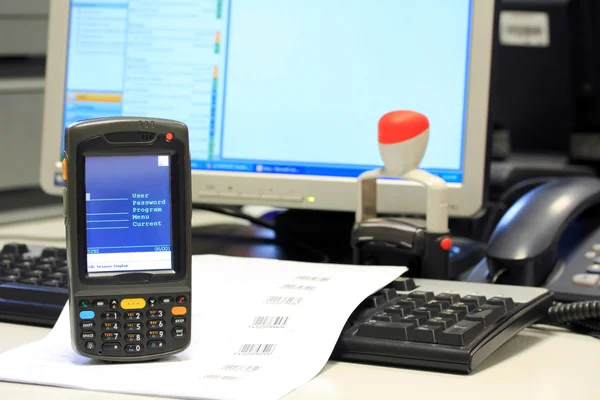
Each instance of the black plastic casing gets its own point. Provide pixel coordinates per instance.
(127, 136)
(401, 241)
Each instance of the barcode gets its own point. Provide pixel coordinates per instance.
(222, 377)
(269, 322)
(283, 300)
(240, 368)
(312, 278)
(524, 30)
(297, 287)
(257, 349)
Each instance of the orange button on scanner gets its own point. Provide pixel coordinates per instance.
(178, 310)
(65, 171)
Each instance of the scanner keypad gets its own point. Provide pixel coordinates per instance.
(134, 325)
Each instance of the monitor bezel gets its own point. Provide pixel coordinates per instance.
(302, 191)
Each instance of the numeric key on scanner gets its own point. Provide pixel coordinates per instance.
(156, 334)
(133, 315)
(133, 326)
(110, 336)
(111, 347)
(156, 345)
(156, 323)
(110, 326)
(134, 348)
(110, 316)
(133, 337)
(155, 314)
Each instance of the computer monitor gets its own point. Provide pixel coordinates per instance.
(282, 98)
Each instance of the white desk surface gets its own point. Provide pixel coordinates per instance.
(541, 362)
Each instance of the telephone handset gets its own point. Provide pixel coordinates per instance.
(550, 237)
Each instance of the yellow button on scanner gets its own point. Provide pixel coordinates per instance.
(178, 310)
(133, 304)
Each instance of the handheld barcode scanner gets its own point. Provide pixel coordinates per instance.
(424, 245)
(128, 223)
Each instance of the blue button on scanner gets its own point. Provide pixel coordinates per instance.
(88, 314)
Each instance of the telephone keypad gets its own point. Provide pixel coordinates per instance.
(133, 326)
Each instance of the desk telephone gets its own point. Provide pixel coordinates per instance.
(550, 237)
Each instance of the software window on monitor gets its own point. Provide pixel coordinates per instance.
(277, 89)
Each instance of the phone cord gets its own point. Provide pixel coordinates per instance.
(582, 313)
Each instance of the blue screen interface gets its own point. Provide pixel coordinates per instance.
(128, 213)
(276, 87)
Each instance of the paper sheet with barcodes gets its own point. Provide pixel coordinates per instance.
(261, 329)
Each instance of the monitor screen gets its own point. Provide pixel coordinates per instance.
(128, 213)
(290, 87)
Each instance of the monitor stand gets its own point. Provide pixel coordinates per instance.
(28, 204)
(327, 232)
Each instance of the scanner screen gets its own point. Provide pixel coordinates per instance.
(128, 213)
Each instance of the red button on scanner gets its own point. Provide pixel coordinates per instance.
(446, 243)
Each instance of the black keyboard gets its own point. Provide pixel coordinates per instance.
(414, 323)
(439, 325)
(33, 284)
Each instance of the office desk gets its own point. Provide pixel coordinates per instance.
(541, 362)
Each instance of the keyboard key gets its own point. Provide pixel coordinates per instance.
(374, 301)
(419, 294)
(9, 278)
(425, 312)
(411, 302)
(505, 302)
(437, 305)
(414, 319)
(460, 334)
(455, 315)
(445, 323)
(36, 273)
(403, 284)
(450, 298)
(465, 307)
(390, 294)
(403, 311)
(426, 333)
(178, 332)
(15, 250)
(488, 314)
(52, 283)
(31, 281)
(46, 267)
(15, 271)
(58, 276)
(54, 252)
(474, 299)
(87, 324)
(100, 303)
(386, 330)
(25, 264)
(387, 317)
